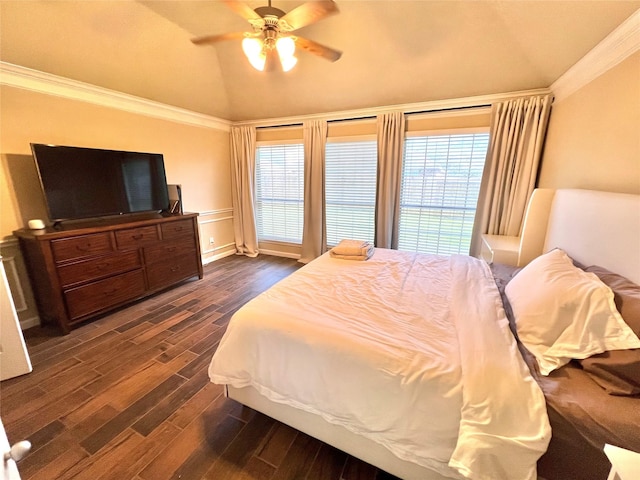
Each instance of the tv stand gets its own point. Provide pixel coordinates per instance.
(82, 270)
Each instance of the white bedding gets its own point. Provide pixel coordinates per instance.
(390, 350)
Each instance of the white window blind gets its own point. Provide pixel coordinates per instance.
(350, 190)
(439, 194)
(280, 192)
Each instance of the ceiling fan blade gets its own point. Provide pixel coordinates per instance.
(209, 39)
(242, 9)
(309, 13)
(317, 49)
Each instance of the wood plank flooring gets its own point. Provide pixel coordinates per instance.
(127, 396)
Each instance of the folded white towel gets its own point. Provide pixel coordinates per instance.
(352, 247)
(352, 251)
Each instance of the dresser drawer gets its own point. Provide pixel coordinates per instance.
(105, 293)
(134, 237)
(180, 228)
(171, 270)
(98, 267)
(81, 246)
(165, 251)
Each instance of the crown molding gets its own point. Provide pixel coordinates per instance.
(431, 107)
(49, 84)
(616, 47)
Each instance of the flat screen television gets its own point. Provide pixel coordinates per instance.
(80, 183)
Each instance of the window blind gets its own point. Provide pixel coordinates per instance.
(280, 192)
(439, 192)
(350, 190)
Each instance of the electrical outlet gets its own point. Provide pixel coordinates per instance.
(210, 240)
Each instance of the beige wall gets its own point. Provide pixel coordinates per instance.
(593, 140)
(195, 157)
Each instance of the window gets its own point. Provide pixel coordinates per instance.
(439, 193)
(350, 190)
(280, 192)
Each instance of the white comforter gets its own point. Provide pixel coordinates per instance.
(412, 351)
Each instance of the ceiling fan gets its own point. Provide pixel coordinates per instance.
(271, 33)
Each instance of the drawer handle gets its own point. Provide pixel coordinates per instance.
(109, 292)
(102, 266)
(175, 269)
(178, 229)
(83, 248)
(171, 249)
(138, 236)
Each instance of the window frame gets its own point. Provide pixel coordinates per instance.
(353, 139)
(268, 143)
(437, 133)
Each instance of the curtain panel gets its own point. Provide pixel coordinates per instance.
(314, 232)
(243, 167)
(517, 133)
(391, 130)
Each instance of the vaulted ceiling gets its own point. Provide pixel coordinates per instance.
(395, 52)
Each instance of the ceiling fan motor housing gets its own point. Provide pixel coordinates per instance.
(269, 12)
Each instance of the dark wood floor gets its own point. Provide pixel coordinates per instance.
(127, 396)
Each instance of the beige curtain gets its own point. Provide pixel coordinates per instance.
(314, 235)
(518, 129)
(243, 163)
(391, 128)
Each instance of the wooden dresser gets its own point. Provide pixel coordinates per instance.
(84, 270)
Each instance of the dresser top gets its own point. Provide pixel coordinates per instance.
(94, 225)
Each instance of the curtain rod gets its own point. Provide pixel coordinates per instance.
(450, 109)
(370, 117)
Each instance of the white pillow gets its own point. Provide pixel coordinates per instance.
(563, 312)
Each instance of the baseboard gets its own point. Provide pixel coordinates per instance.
(213, 258)
(29, 323)
(277, 253)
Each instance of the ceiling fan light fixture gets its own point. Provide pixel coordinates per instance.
(258, 62)
(254, 50)
(288, 63)
(286, 47)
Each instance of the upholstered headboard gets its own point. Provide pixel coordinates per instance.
(597, 228)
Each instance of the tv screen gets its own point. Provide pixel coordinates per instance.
(86, 182)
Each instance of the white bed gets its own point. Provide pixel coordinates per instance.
(370, 396)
